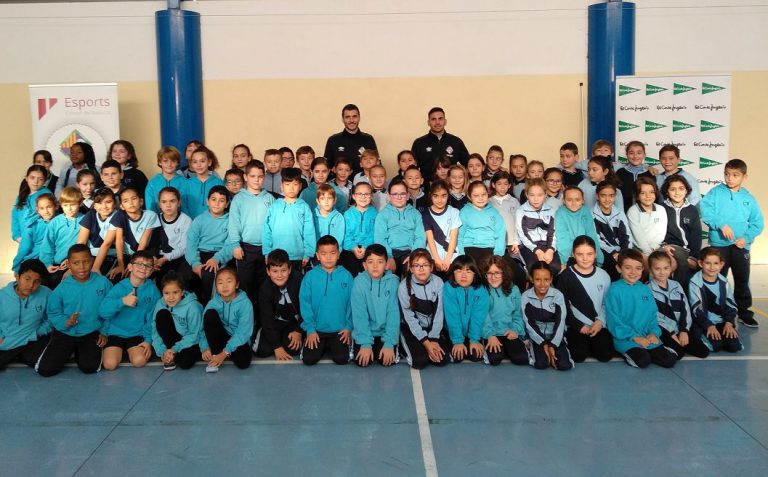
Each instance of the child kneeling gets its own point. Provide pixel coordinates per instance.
(177, 324)
(375, 312)
(325, 306)
(632, 316)
(227, 324)
(713, 306)
(545, 311)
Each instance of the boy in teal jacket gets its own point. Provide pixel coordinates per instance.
(325, 306)
(290, 223)
(24, 327)
(375, 310)
(73, 309)
(127, 312)
(735, 220)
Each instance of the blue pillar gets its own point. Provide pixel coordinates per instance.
(611, 52)
(179, 77)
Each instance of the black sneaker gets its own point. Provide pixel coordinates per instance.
(169, 366)
(748, 321)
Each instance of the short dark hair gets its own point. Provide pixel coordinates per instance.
(146, 255)
(285, 149)
(78, 248)
(234, 172)
(375, 249)
(254, 163)
(669, 148)
(172, 277)
(436, 109)
(707, 251)
(290, 174)
(658, 255)
(737, 164)
(34, 265)
(569, 146)
(350, 107)
(277, 258)
(629, 254)
(111, 163)
(327, 240)
(220, 189)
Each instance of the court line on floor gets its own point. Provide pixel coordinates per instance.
(93, 452)
(719, 410)
(759, 311)
(427, 450)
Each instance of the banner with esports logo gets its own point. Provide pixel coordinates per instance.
(63, 114)
(691, 112)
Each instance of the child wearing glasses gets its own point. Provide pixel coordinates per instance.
(399, 228)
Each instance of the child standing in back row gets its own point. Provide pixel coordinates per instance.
(247, 216)
(195, 191)
(735, 220)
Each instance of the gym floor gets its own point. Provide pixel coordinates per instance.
(704, 417)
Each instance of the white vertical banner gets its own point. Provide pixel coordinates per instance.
(63, 114)
(692, 112)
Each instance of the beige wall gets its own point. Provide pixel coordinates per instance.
(533, 115)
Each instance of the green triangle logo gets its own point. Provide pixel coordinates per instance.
(681, 88)
(679, 125)
(651, 161)
(625, 126)
(708, 126)
(623, 160)
(651, 126)
(707, 88)
(624, 90)
(652, 89)
(704, 163)
(683, 162)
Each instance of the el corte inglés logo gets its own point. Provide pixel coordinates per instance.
(707, 88)
(708, 126)
(681, 88)
(653, 89)
(679, 125)
(704, 163)
(625, 126)
(651, 126)
(624, 90)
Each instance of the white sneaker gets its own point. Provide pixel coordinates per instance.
(211, 369)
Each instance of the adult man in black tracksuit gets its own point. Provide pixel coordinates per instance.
(351, 142)
(436, 143)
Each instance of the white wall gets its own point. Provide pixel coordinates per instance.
(115, 41)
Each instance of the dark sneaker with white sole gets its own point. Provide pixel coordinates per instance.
(748, 321)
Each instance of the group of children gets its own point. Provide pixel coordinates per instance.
(539, 266)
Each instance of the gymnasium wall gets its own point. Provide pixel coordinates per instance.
(507, 73)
